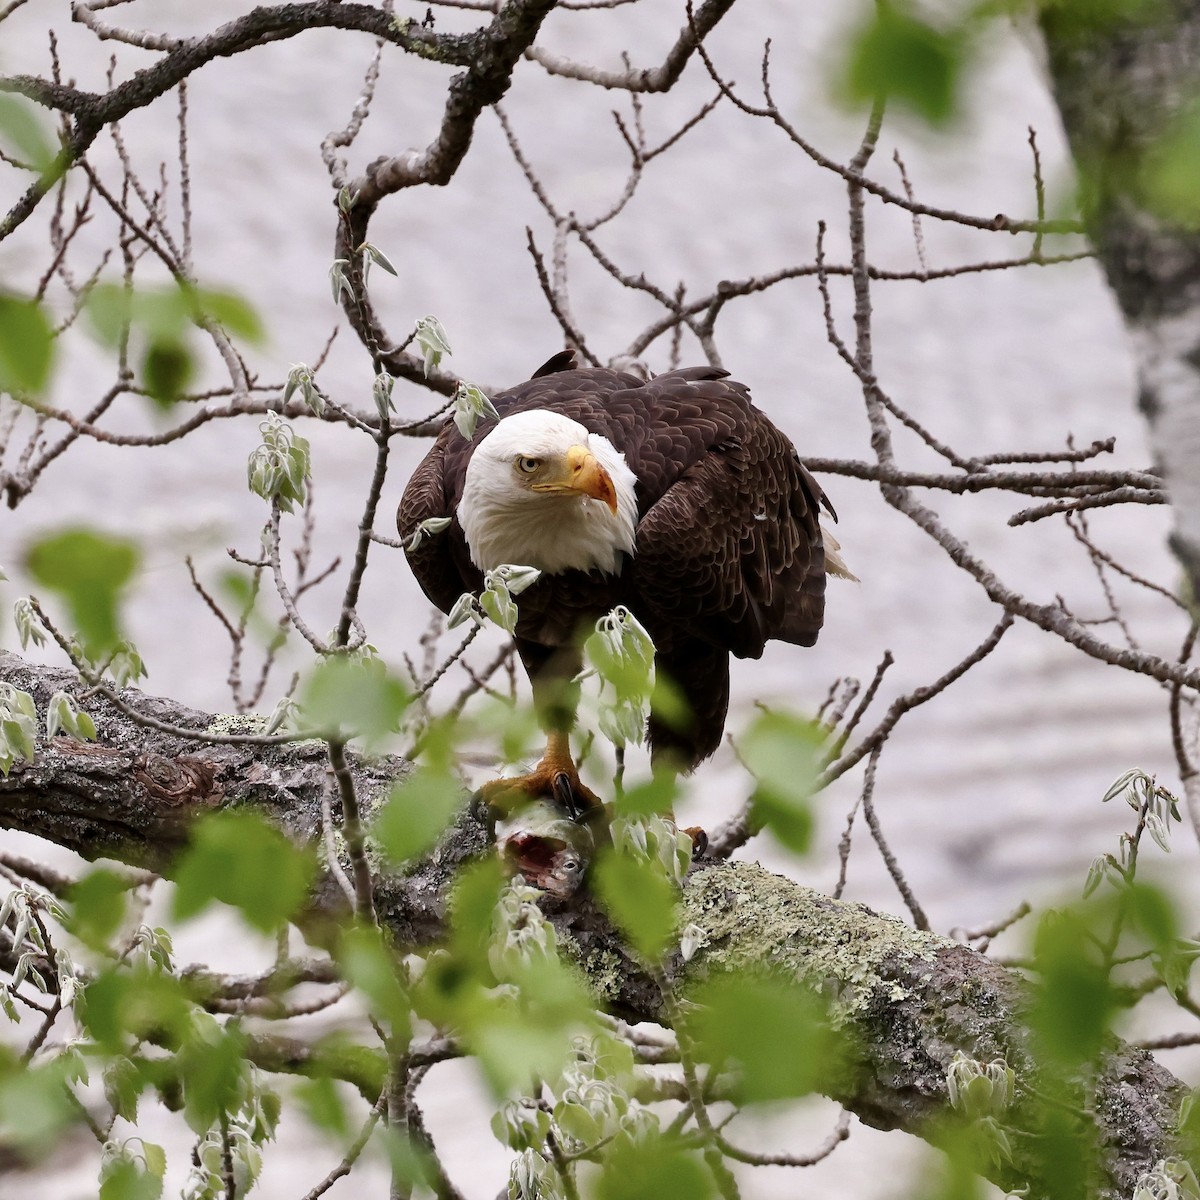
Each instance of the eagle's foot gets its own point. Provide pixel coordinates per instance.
(555, 778)
(699, 839)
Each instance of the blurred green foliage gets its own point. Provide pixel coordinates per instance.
(346, 698)
(771, 1032)
(162, 320)
(901, 56)
(90, 571)
(26, 345)
(783, 753)
(24, 134)
(641, 900)
(240, 859)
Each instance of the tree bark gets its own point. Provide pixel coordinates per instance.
(906, 999)
(1119, 86)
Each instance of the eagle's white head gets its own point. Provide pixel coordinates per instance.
(542, 491)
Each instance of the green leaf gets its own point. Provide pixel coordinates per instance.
(211, 1064)
(22, 129)
(323, 1105)
(34, 1106)
(408, 1162)
(163, 320)
(63, 717)
(908, 60)
(374, 969)
(169, 312)
(167, 369)
(640, 899)
(26, 345)
(782, 751)
(90, 571)
(132, 1003)
(952, 1171)
(1065, 20)
(98, 905)
(130, 1176)
(772, 1031)
(416, 813)
(241, 860)
(127, 1181)
(1074, 998)
(653, 796)
(1153, 914)
(18, 727)
(230, 311)
(123, 1087)
(1170, 175)
(432, 343)
(517, 1031)
(653, 1168)
(110, 312)
(348, 698)
(530, 1035)
(472, 904)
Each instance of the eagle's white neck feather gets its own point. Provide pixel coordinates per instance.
(506, 522)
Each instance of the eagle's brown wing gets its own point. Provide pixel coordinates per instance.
(441, 561)
(730, 551)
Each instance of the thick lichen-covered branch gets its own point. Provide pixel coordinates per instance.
(906, 1000)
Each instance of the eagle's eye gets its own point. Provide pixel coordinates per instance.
(528, 465)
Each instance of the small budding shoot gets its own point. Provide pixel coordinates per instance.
(496, 601)
(278, 469)
(284, 713)
(1168, 1179)
(432, 342)
(63, 717)
(621, 653)
(656, 840)
(381, 393)
(300, 378)
(152, 947)
(338, 282)
(1156, 808)
(427, 528)
(29, 628)
(18, 727)
(372, 254)
(979, 1089)
(125, 665)
(133, 1159)
(471, 406)
(520, 932)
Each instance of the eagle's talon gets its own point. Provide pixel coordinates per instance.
(564, 793)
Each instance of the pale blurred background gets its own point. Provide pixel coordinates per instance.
(990, 795)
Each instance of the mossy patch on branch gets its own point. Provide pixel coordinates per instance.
(757, 921)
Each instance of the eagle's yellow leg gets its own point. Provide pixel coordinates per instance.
(555, 778)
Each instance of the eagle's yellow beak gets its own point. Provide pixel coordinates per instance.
(583, 475)
(586, 475)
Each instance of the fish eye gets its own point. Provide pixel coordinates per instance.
(528, 465)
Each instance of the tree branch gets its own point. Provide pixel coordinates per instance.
(906, 999)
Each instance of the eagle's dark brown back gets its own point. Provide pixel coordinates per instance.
(728, 548)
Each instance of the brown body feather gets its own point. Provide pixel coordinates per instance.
(729, 551)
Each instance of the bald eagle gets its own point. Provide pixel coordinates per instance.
(674, 497)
